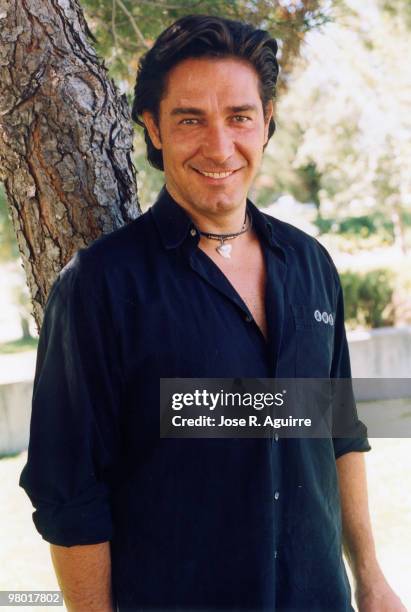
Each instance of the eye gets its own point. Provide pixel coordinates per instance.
(189, 122)
(241, 118)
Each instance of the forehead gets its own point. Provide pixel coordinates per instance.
(197, 80)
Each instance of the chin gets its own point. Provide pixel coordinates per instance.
(215, 205)
(228, 203)
(224, 199)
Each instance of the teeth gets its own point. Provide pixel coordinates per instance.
(216, 175)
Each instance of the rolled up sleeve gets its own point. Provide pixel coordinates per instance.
(74, 429)
(345, 411)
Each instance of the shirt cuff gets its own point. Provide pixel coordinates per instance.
(348, 445)
(86, 521)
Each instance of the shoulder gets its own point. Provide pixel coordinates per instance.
(116, 247)
(95, 269)
(308, 252)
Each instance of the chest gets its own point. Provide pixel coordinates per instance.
(187, 319)
(246, 272)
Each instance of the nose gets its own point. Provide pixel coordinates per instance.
(218, 145)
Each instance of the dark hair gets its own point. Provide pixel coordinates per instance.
(201, 36)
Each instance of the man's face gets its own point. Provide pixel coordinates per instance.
(211, 132)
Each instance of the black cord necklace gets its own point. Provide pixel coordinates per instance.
(223, 248)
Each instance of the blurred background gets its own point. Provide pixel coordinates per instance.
(338, 167)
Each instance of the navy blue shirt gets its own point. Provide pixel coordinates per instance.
(210, 524)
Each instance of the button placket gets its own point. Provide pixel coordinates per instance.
(276, 483)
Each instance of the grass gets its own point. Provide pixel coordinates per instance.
(18, 346)
(9, 455)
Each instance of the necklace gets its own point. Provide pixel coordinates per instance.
(223, 248)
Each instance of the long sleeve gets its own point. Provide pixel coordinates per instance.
(74, 429)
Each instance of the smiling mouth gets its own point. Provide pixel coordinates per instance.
(216, 175)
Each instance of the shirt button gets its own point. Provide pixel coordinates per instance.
(276, 495)
(248, 319)
(193, 232)
(276, 436)
(275, 554)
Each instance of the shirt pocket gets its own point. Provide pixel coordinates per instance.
(314, 329)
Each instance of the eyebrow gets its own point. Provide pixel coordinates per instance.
(198, 112)
(187, 110)
(244, 108)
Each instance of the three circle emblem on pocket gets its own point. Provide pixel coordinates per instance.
(325, 317)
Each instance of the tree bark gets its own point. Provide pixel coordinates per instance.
(65, 138)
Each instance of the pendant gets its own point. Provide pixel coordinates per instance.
(224, 250)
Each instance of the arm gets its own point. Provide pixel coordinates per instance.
(84, 575)
(74, 436)
(373, 593)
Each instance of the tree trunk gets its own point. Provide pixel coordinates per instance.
(65, 138)
(399, 230)
(25, 328)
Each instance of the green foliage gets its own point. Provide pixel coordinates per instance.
(18, 346)
(360, 227)
(326, 225)
(310, 182)
(341, 140)
(124, 29)
(400, 9)
(368, 298)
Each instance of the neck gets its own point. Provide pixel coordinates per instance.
(231, 224)
(233, 227)
(218, 220)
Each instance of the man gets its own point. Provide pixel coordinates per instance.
(202, 285)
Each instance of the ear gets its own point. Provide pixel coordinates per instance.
(267, 117)
(152, 128)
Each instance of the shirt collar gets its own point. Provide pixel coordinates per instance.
(174, 223)
(264, 225)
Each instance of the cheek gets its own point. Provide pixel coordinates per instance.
(252, 138)
(251, 147)
(181, 145)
